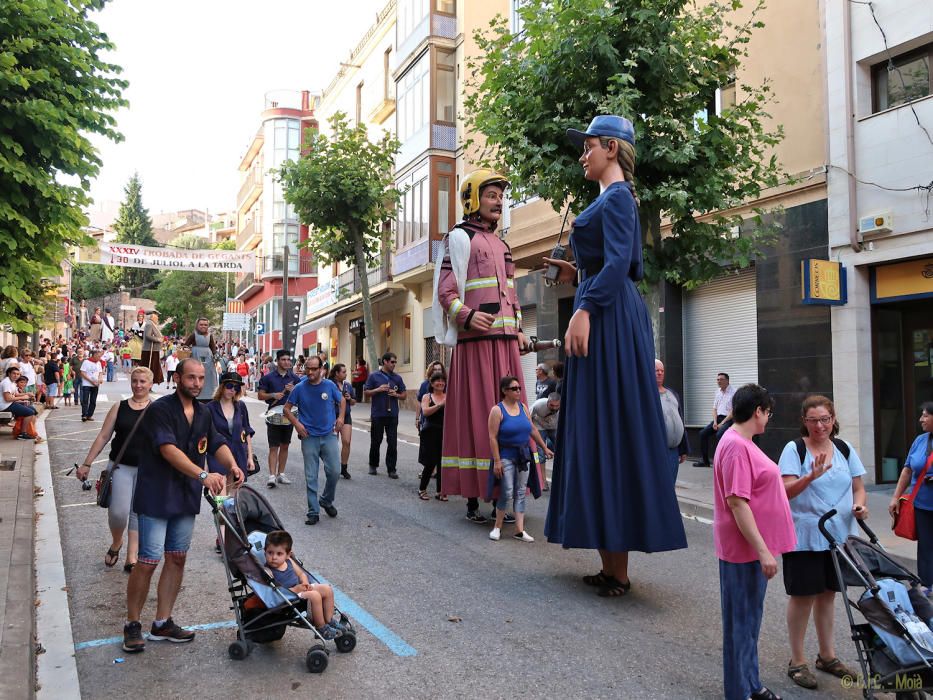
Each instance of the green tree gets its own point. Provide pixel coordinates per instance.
(133, 225)
(55, 91)
(658, 62)
(183, 296)
(343, 188)
(89, 281)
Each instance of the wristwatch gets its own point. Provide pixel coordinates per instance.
(202, 476)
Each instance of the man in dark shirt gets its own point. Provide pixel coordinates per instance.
(172, 472)
(53, 381)
(384, 388)
(274, 389)
(544, 386)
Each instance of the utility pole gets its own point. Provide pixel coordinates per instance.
(284, 295)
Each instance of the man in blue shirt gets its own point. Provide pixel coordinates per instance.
(274, 388)
(319, 402)
(178, 433)
(384, 388)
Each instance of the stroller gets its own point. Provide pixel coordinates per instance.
(264, 609)
(895, 645)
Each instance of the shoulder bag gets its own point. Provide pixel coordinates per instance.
(105, 482)
(905, 522)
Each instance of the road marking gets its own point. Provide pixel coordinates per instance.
(396, 644)
(76, 505)
(405, 442)
(76, 432)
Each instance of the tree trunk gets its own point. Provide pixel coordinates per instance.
(651, 235)
(368, 325)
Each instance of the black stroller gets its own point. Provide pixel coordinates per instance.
(263, 609)
(895, 645)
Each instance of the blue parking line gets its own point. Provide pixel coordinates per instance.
(346, 604)
(396, 644)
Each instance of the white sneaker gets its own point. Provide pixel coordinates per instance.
(494, 534)
(523, 536)
(284, 479)
(271, 482)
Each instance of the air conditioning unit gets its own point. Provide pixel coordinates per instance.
(876, 224)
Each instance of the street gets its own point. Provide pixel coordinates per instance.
(442, 611)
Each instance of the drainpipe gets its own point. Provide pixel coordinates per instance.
(850, 126)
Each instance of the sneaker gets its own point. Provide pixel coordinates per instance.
(312, 520)
(494, 534)
(282, 479)
(170, 632)
(393, 475)
(271, 482)
(523, 536)
(337, 624)
(474, 517)
(133, 638)
(23, 436)
(330, 510)
(372, 471)
(508, 519)
(701, 464)
(328, 632)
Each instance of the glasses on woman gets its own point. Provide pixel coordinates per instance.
(513, 388)
(233, 386)
(822, 420)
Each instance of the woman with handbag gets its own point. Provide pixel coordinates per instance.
(918, 472)
(122, 423)
(820, 472)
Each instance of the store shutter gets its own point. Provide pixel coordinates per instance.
(529, 361)
(720, 335)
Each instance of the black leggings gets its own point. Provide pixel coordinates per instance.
(426, 477)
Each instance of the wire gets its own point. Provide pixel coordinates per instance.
(926, 191)
(891, 66)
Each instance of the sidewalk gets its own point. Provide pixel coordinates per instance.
(17, 581)
(695, 491)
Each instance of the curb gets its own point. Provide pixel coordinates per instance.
(56, 669)
(695, 510)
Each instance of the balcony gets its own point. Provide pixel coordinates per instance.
(348, 283)
(271, 266)
(252, 229)
(250, 189)
(248, 280)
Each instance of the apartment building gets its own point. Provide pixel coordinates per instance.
(880, 192)
(267, 225)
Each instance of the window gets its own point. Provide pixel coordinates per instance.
(722, 99)
(387, 74)
(903, 79)
(448, 7)
(405, 349)
(411, 13)
(445, 88)
(413, 95)
(517, 22)
(414, 208)
(359, 104)
(443, 204)
(286, 141)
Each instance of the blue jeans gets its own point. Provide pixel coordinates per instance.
(109, 370)
(160, 535)
(742, 592)
(550, 439)
(512, 488)
(314, 449)
(88, 401)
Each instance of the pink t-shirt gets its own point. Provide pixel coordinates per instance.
(741, 469)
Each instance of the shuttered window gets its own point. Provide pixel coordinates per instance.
(720, 335)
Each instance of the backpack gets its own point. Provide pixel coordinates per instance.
(841, 445)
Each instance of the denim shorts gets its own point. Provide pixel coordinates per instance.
(160, 535)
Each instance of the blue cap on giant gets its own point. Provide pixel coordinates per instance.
(604, 125)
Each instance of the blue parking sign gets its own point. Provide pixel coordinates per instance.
(260, 329)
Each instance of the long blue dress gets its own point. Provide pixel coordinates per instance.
(234, 439)
(612, 488)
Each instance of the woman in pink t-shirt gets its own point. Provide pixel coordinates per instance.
(752, 525)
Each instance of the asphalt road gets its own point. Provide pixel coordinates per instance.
(446, 612)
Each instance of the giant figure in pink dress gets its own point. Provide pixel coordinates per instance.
(477, 311)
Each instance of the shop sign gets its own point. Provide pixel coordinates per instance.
(356, 326)
(902, 281)
(823, 282)
(321, 297)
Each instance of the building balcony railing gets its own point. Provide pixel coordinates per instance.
(252, 228)
(349, 283)
(298, 265)
(247, 281)
(250, 188)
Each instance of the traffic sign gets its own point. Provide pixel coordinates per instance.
(260, 328)
(236, 322)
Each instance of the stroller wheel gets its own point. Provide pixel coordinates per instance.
(316, 660)
(238, 650)
(346, 642)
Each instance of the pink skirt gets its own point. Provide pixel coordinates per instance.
(472, 390)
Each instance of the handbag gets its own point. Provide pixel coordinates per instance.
(905, 522)
(135, 347)
(105, 482)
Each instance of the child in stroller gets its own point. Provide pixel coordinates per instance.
(319, 596)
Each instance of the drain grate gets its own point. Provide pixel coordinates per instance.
(7, 465)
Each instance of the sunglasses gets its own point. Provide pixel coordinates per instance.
(232, 385)
(513, 388)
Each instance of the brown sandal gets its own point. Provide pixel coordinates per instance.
(834, 667)
(802, 676)
(599, 579)
(613, 588)
(110, 559)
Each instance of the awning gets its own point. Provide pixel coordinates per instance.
(318, 323)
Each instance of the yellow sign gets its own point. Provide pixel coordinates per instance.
(907, 279)
(822, 282)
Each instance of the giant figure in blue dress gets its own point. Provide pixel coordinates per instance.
(611, 489)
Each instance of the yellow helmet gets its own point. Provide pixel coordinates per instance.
(473, 183)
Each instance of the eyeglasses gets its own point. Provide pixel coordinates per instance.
(513, 388)
(823, 420)
(232, 385)
(391, 362)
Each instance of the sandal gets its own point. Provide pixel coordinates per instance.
(613, 588)
(802, 676)
(423, 495)
(128, 567)
(602, 578)
(110, 559)
(441, 497)
(765, 694)
(834, 667)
